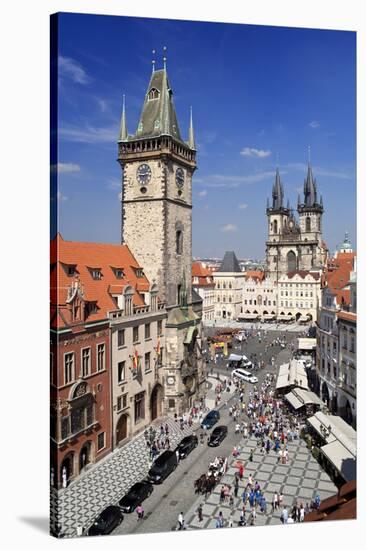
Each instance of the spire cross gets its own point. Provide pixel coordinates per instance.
(153, 61)
(164, 56)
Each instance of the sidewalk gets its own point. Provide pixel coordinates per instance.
(105, 483)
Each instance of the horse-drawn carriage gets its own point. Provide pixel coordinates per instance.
(207, 482)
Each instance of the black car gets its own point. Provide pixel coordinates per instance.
(210, 419)
(162, 467)
(218, 434)
(187, 445)
(106, 521)
(135, 496)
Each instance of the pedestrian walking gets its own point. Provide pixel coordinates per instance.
(140, 512)
(200, 512)
(180, 521)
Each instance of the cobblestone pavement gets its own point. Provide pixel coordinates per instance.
(299, 481)
(108, 480)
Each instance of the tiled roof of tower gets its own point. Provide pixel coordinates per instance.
(158, 116)
(259, 275)
(84, 257)
(229, 264)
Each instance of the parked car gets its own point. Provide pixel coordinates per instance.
(187, 445)
(162, 467)
(135, 496)
(210, 419)
(218, 434)
(242, 374)
(106, 521)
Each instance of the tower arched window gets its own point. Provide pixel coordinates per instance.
(153, 94)
(291, 261)
(308, 224)
(319, 224)
(275, 226)
(179, 241)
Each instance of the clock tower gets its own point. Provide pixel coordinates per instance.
(158, 166)
(157, 191)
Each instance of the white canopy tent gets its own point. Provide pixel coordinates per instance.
(292, 374)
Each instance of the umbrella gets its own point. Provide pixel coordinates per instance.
(238, 464)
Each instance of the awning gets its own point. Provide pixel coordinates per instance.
(245, 316)
(304, 318)
(294, 401)
(341, 458)
(268, 316)
(306, 344)
(234, 357)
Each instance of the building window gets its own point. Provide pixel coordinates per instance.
(135, 334)
(121, 402)
(85, 362)
(128, 305)
(345, 340)
(96, 274)
(179, 242)
(275, 226)
(119, 273)
(139, 273)
(121, 371)
(71, 270)
(160, 328)
(139, 406)
(69, 367)
(147, 361)
(153, 94)
(121, 338)
(171, 403)
(308, 224)
(101, 441)
(352, 345)
(147, 331)
(100, 357)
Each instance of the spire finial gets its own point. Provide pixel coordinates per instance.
(153, 61)
(309, 151)
(164, 57)
(191, 141)
(277, 159)
(123, 128)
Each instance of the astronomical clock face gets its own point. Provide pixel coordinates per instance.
(143, 174)
(179, 178)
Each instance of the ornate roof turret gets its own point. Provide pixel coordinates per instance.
(158, 116)
(277, 197)
(310, 194)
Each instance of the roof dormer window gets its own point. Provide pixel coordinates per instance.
(153, 94)
(119, 273)
(96, 273)
(139, 272)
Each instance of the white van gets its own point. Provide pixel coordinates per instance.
(242, 374)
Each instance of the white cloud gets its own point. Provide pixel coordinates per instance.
(318, 171)
(243, 206)
(72, 69)
(89, 134)
(114, 183)
(202, 193)
(120, 196)
(229, 228)
(314, 124)
(103, 104)
(252, 152)
(67, 167)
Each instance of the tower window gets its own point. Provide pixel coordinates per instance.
(275, 226)
(153, 94)
(179, 242)
(308, 224)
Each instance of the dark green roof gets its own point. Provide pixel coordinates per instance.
(158, 115)
(230, 263)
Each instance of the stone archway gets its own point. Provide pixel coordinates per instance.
(325, 394)
(85, 456)
(297, 316)
(122, 428)
(67, 468)
(156, 402)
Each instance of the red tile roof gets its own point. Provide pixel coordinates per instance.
(303, 273)
(347, 315)
(259, 275)
(343, 505)
(84, 256)
(204, 275)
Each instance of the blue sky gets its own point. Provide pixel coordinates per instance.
(260, 95)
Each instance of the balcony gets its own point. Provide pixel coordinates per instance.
(118, 314)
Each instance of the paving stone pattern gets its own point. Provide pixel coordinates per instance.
(299, 481)
(105, 484)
